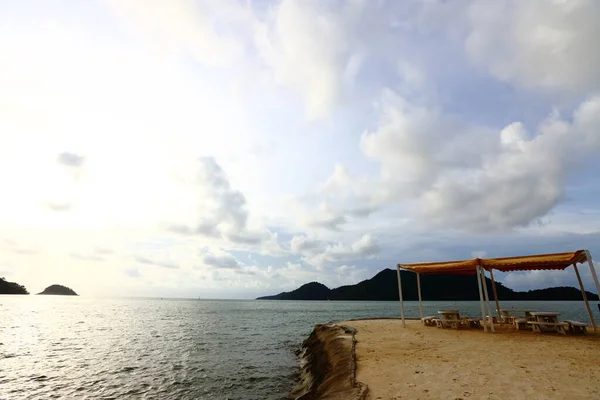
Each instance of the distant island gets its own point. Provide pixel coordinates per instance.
(11, 287)
(438, 287)
(59, 290)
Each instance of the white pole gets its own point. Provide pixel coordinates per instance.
(588, 257)
(400, 296)
(419, 291)
(487, 299)
(481, 301)
(585, 299)
(495, 295)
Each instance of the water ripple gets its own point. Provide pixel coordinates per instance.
(87, 348)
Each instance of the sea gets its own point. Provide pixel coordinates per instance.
(54, 347)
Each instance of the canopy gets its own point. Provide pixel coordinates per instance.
(521, 263)
(478, 266)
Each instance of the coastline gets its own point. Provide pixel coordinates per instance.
(379, 359)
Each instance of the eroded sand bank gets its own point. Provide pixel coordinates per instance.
(328, 365)
(420, 362)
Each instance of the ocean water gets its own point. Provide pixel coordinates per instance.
(92, 348)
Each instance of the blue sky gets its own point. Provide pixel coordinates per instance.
(239, 148)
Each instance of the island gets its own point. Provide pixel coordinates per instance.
(59, 290)
(11, 287)
(438, 287)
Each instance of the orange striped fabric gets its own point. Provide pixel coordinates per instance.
(521, 263)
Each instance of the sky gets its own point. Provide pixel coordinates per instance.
(238, 148)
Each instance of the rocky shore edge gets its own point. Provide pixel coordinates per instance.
(328, 365)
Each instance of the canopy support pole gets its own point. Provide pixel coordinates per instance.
(585, 299)
(419, 291)
(400, 296)
(495, 295)
(487, 299)
(588, 257)
(481, 301)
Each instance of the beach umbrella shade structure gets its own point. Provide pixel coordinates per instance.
(478, 266)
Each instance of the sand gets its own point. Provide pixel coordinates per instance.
(419, 362)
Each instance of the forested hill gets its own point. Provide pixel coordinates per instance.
(384, 286)
(11, 287)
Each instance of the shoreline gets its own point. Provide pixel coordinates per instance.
(376, 358)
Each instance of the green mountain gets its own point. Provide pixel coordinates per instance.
(384, 286)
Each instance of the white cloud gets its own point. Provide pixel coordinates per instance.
(100, 144)
(221, 212)
(313, 48)
(158, 263)
(325, 217)
(303, 245)
(456, 174)
(537, 44)
(479, 254)
(71, 159)
(320, 253)
(221, 260)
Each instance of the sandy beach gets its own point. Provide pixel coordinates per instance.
(419, 362)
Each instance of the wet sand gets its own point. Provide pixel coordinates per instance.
(419, 362)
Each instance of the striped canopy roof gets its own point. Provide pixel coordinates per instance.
(521, 263)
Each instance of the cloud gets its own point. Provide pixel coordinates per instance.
(223, 212)
(221, 207)
(537, 44)
(229, 205)
(478, 254)
(365, 246)
(314, 49)
(221, 260)
(249, 238)
(132, 272)
(329, 221)
(15, 247)
(87, 257)
(59, 207)
(303, 245)
(412, 164)
(71, 160)
(158, 263)
(452, 173)
(319, 253)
